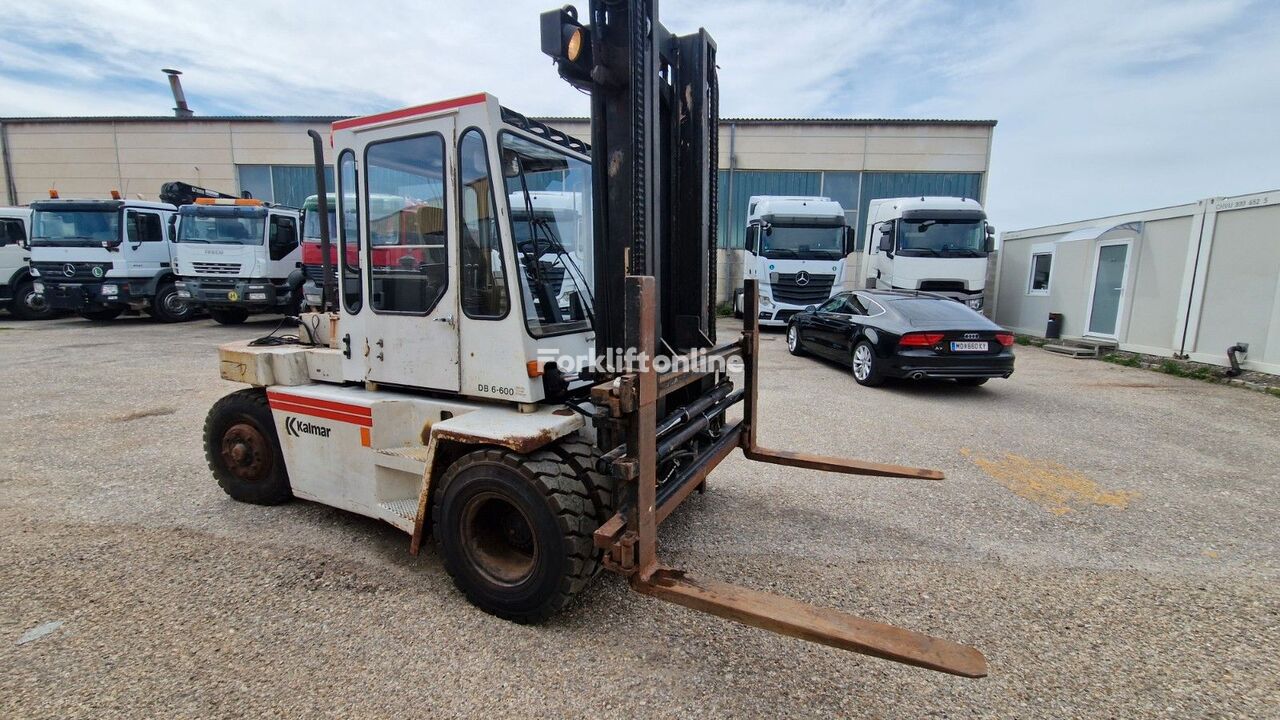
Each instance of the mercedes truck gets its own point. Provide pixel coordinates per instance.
(795, 250)
(934, 244)
(99, 258)
(235, 255)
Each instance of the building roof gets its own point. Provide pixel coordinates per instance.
(326, 119)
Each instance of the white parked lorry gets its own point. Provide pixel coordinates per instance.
(234, 255)
(17, 287)
(795, 250)
(935, 244)
(99, 258)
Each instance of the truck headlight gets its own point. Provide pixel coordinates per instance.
(35, 272)
(257, 296)
(766, 301)
(183, 292)
(110, 289)
(38, 287)
(976, 303)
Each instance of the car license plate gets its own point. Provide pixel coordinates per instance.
(968, 347)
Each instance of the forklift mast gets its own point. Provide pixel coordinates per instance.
(654, 118)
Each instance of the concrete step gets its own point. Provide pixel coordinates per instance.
(1074, 351)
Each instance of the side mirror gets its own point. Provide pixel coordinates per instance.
(810, 308)
(989, 245)
(173, 227)
(847, 243)
(753, 239)
(886, 240)
(295, 280)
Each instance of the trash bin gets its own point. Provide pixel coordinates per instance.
(1054, 329)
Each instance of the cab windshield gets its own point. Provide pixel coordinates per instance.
(549, 192)
(801, 242)
(311, 224)
(942, 238)
(215, 225)
(71, 227)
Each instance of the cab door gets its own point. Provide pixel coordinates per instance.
(149, 249)
(409, 243)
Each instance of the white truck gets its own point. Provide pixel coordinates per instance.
(17, 287)
(234, 255)
(935, 244)
(795, 250)
(99, 258)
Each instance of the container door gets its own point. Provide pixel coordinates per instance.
(1107, 299)
(410, 242)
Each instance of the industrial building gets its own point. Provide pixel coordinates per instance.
(1188, 281)
(850, 160)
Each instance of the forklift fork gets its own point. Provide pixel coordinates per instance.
(629, 538)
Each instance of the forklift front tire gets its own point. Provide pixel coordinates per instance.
(243, 450)
(515, 532)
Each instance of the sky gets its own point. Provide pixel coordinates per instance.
(1103, 107)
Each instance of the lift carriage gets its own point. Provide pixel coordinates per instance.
(428, 393)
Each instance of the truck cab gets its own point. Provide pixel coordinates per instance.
(795, 250)
(234, 256)
(934, 244)
(382, 206)
(99, 258)
(17, 287)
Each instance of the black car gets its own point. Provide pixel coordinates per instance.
(883, 334)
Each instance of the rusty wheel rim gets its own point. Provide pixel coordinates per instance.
(246, 452)
(498, 539)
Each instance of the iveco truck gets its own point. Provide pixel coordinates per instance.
(17, 287)
(234, 255)
(795, 250)
(937, 244)
(100, 258)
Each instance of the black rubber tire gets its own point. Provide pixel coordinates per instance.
(228, 316)
(558, 515)
(971, 382)
(874, 377)
(101, 315)
(797, 350)
(162, 310)
(22, 304)
(248, 407)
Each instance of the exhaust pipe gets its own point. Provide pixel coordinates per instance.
(917, 375)
(180, 108)
(328, 293)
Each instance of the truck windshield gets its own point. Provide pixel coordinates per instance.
(942, 238)
(71, 228)
(311, 225)
(553, 237)
(218, 225)
(801, 242)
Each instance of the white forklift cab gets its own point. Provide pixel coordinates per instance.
(795, 250)
(17, 287)
(234, 256)
(935, 244)
(99, 258)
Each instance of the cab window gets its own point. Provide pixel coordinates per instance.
(282, 236)
(484, 285)
(349, 233)
(144, 227)
(408, 237)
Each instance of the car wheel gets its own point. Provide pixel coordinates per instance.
(793, 340)
(971, 382)
(866, 367)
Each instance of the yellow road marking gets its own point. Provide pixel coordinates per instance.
(1053, 486)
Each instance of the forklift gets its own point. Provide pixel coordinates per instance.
(431, 389)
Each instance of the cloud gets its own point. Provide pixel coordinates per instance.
(1104, 107)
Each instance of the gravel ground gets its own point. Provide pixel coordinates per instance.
(1107, 536)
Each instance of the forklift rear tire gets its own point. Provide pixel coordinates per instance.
(167, 307)
(228, 316)
(243, 450)
(515, 532)
(101, 315)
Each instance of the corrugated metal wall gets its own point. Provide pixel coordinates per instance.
(851, 189)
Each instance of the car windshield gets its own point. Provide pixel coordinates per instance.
(550, 196)
(944, 238)
(803, 242)
(215, 225)
(69, 227)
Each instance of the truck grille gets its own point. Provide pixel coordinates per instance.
(55, 271)
(315, 273)
(787, 290)
(212, 268)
